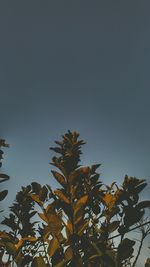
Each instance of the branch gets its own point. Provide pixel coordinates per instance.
(139, 250)
(136, 227)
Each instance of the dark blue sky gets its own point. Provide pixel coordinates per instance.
(79, 65)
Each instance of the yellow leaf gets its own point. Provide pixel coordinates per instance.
(43, 217)
(68, 254)
(85, 170)
(30, 238)
(61, 196)
(50, 207)
(81, 202)
(36, 199)
(61, 264)
(54, 223)
(69, 228)
(19, 244)
(53, 246)
(39, 262)
(109, 200)
(59, 177)
(78, 213)
(21, 241)
(79, 219)
(83, 227)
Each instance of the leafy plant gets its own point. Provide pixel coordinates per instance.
(82, 223)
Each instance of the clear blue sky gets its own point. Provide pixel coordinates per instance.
(78, 65)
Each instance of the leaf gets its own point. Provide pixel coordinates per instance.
(61, 264)
(139, 188)
(147, 264)
(60, 178)
(109, 200)
(96, 209)
(57, 150)
(4, 235)
(79, 208)
(132, 215)
(93, 257)
(83, 227)
(99, 252)
(10, 247)
(113, 226)
(3, 194)
(30, 238)
(111, 256)
(18, 259)
(32, 213)
(38, 262)
(144, 204)
(125, 249)
(36, 199)
(84, 170)
(3, 144)
(43, 217)
(53, 246)
(10, 222)
(54, 224)
(94, 168)
(4, 177)
(61, 196)
(69, 229)
(68, 254)
(51, 207)
(43, 193)
(81, 202)
(19, 244)
(36, 187)
(81, 172)
(58, 165)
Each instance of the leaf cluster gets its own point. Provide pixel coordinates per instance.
(75, 224)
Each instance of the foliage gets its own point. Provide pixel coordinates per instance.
(77, 223)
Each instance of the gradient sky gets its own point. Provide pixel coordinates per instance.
(78, 65)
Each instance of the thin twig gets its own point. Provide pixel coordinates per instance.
(139, 250)
(136, 227)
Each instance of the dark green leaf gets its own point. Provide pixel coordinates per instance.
(125, 249)
(4, 177)
(36, 187)
(43, 193)
(144, 204)
(3, 194)
(139, 188)
(113, 226)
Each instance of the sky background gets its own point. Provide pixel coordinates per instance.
(78, 65)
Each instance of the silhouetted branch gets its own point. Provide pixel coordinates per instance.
(132, 229)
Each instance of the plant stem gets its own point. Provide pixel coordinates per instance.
(139, 250)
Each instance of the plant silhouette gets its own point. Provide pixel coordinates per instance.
(82, 223)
